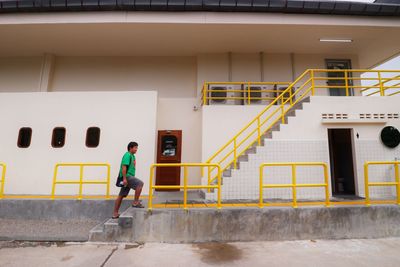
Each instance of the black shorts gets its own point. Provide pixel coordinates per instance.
(133, 183)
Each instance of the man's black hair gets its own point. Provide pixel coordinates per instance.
(132, 144)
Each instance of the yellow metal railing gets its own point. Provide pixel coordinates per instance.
(294, 185)
(81, 181)
(395, 183)
(3, 178)
(185, 185)
(245, 92)
(307, 84)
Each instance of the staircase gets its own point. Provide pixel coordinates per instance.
(230, 176)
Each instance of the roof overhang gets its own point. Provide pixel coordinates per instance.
(282, 6)
(191, 33)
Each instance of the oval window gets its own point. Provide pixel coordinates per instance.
(93, 137)
(390, 136)
(58, 138)
(24, 137)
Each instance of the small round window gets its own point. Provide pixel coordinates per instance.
(390, 136)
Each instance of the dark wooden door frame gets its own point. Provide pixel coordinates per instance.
(168, 175)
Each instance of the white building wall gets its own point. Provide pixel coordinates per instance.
(305, 138)
(30, 170)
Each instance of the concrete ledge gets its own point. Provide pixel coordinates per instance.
(47, 220)
(252, 224)
(39, 209)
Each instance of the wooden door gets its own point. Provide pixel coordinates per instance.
(169, 150)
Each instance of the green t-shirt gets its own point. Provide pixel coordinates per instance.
(128, 160)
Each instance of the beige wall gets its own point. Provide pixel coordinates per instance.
(20, 74)
(172, 77)
(30, 170)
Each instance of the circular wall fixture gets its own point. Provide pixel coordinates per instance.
(390, 136)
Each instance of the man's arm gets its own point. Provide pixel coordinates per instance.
(124, 180)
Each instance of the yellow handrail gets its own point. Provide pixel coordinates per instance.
(304, 85)
(80, 182)
(3, 178)
(294, 185)
(185, 185)
(234, 141)
(395, 183)
(245, 89)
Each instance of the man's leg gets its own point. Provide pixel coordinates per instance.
(122, 193)
(138, 191)
(117, 205)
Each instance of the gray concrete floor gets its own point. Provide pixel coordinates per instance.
(367, 252)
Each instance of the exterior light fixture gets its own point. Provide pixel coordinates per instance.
(336, 40)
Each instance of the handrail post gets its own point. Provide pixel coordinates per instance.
(209, 178)
(258, 131)
(150, 204)
(205, 86)
(80, 181)
(53, 189)
(382, 91)
(396, 173)
(282, 110)
(367, 200)
(327, 202)
(312, 83)
(346, 82)
(261, 198)
(248, 94)
(234, 154)
(185, 187)
(219, 187)
(294, 193)
(108, 181)
(3, 177)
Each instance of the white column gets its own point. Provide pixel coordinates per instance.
(46, 73)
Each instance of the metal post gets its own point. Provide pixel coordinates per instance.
(396, 173)
(234, 154)
(151, 188)
(259, 131)
(3, 177)
(327, 202)
(205, 94)
(108, 182)
(346, 82)
(282, 111)
(219, 187)
(382, 91)
(80, 181)
(185, 187)
(261, 198)
(53, 189)
(294, 186)
(248, 94)
(209, 178)
(367, 201)
(312, 83)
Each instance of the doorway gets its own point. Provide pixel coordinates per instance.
(338, 64)
(169, 149)
(341, 161)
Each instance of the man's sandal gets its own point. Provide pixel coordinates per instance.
(115, 217)
(138, 205)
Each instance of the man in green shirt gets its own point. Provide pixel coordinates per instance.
(127, 179)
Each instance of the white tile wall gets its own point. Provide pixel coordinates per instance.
(373, 150)
(244, 183)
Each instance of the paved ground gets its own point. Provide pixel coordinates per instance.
(372, 252)
(71, 230)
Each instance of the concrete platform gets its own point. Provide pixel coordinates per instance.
(47, 220)
(250, 224)
(306, 253)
